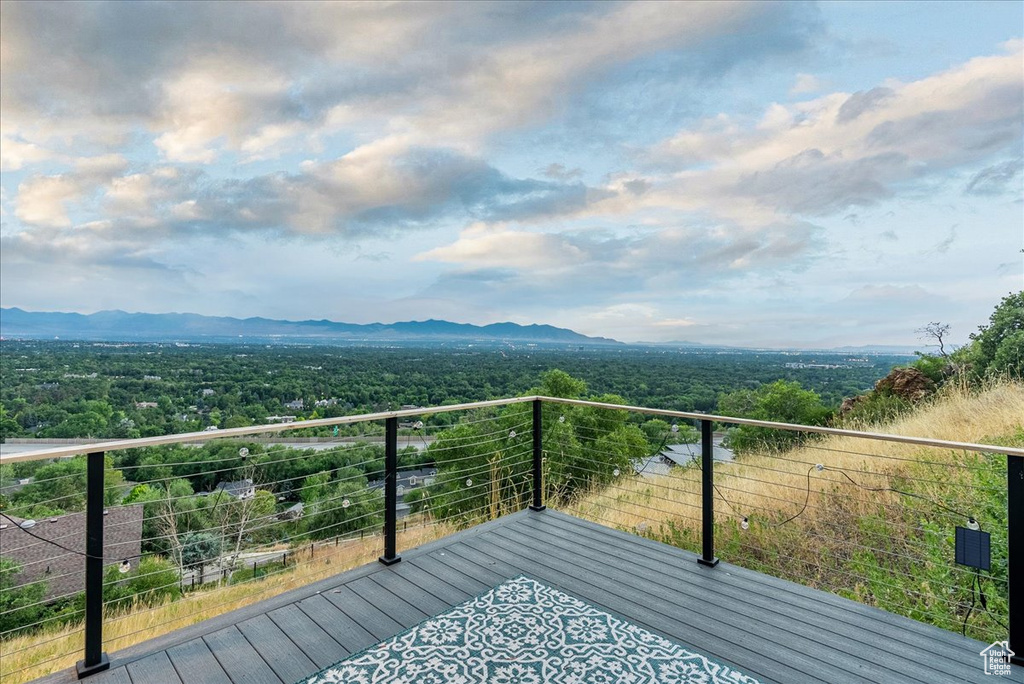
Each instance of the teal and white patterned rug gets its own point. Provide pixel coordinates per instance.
(522, 632)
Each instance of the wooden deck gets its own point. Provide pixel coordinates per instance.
(769, 628)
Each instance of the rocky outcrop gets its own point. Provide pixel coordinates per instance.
(908, 384)
(850, 403)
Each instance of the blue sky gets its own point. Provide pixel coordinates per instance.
(741, 173)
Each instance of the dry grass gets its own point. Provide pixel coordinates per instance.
(829, 530)
(26, 658)
(776, 485)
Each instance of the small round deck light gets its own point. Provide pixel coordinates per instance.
(675, 428)
(243, 452)
(972, 524)
(561, 419)
(512, 434)
(745, 524)
(819, 467)
(345, 503)
(616, 472)
(124, 567)
(469, 482)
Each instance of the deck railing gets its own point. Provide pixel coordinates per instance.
(900, 531)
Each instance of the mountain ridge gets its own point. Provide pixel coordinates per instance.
(115, 324)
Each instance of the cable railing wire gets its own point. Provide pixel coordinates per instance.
(504, 471)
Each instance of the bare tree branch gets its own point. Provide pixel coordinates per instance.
(936, 331)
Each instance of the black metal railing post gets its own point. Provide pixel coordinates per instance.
(390, 556)
(538, 458)
(95, 659)
(1015, 554)
(707, 468)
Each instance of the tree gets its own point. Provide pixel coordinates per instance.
(60, 487)
(314, 488)
(348, 507)
(169, 513)
(938, 332)
(558, 383)
(238, 517)
(199, 548)
(9, 427)
(998, 348)
(152, 581)
(780, 401)
(20, 605)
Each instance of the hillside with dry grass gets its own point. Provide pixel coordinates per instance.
(28, 657)
(870, 520)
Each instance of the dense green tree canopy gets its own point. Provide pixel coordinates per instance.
(780, 401)
(998, 347)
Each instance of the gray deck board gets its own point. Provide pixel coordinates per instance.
(344, 629)
(880, 644)
(370, 618)
(398, 606)
(239, 659)
(276, 647)
(595, 590)
(841, 608)
(154, 669)
(740, 616)
(444, 591)
(423, 601)
(318, 645)
(194, 662)
(118, 676)
(777, 631)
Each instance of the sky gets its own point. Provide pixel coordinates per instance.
(752, 174)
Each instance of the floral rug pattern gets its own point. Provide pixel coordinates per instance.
(523, 632)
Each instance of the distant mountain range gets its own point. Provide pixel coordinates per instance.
(178, 327)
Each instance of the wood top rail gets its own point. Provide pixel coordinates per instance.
(205, 436)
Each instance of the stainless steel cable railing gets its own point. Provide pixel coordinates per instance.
(500, 456)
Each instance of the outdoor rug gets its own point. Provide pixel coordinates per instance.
(523, 632)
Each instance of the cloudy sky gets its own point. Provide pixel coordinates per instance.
(750, 173)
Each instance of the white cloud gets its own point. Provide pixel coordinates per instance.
(825, 155)
(595, 263)
(45, 200)
(530, 123)
(486, 248)
(14, 154)
(225, 78)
